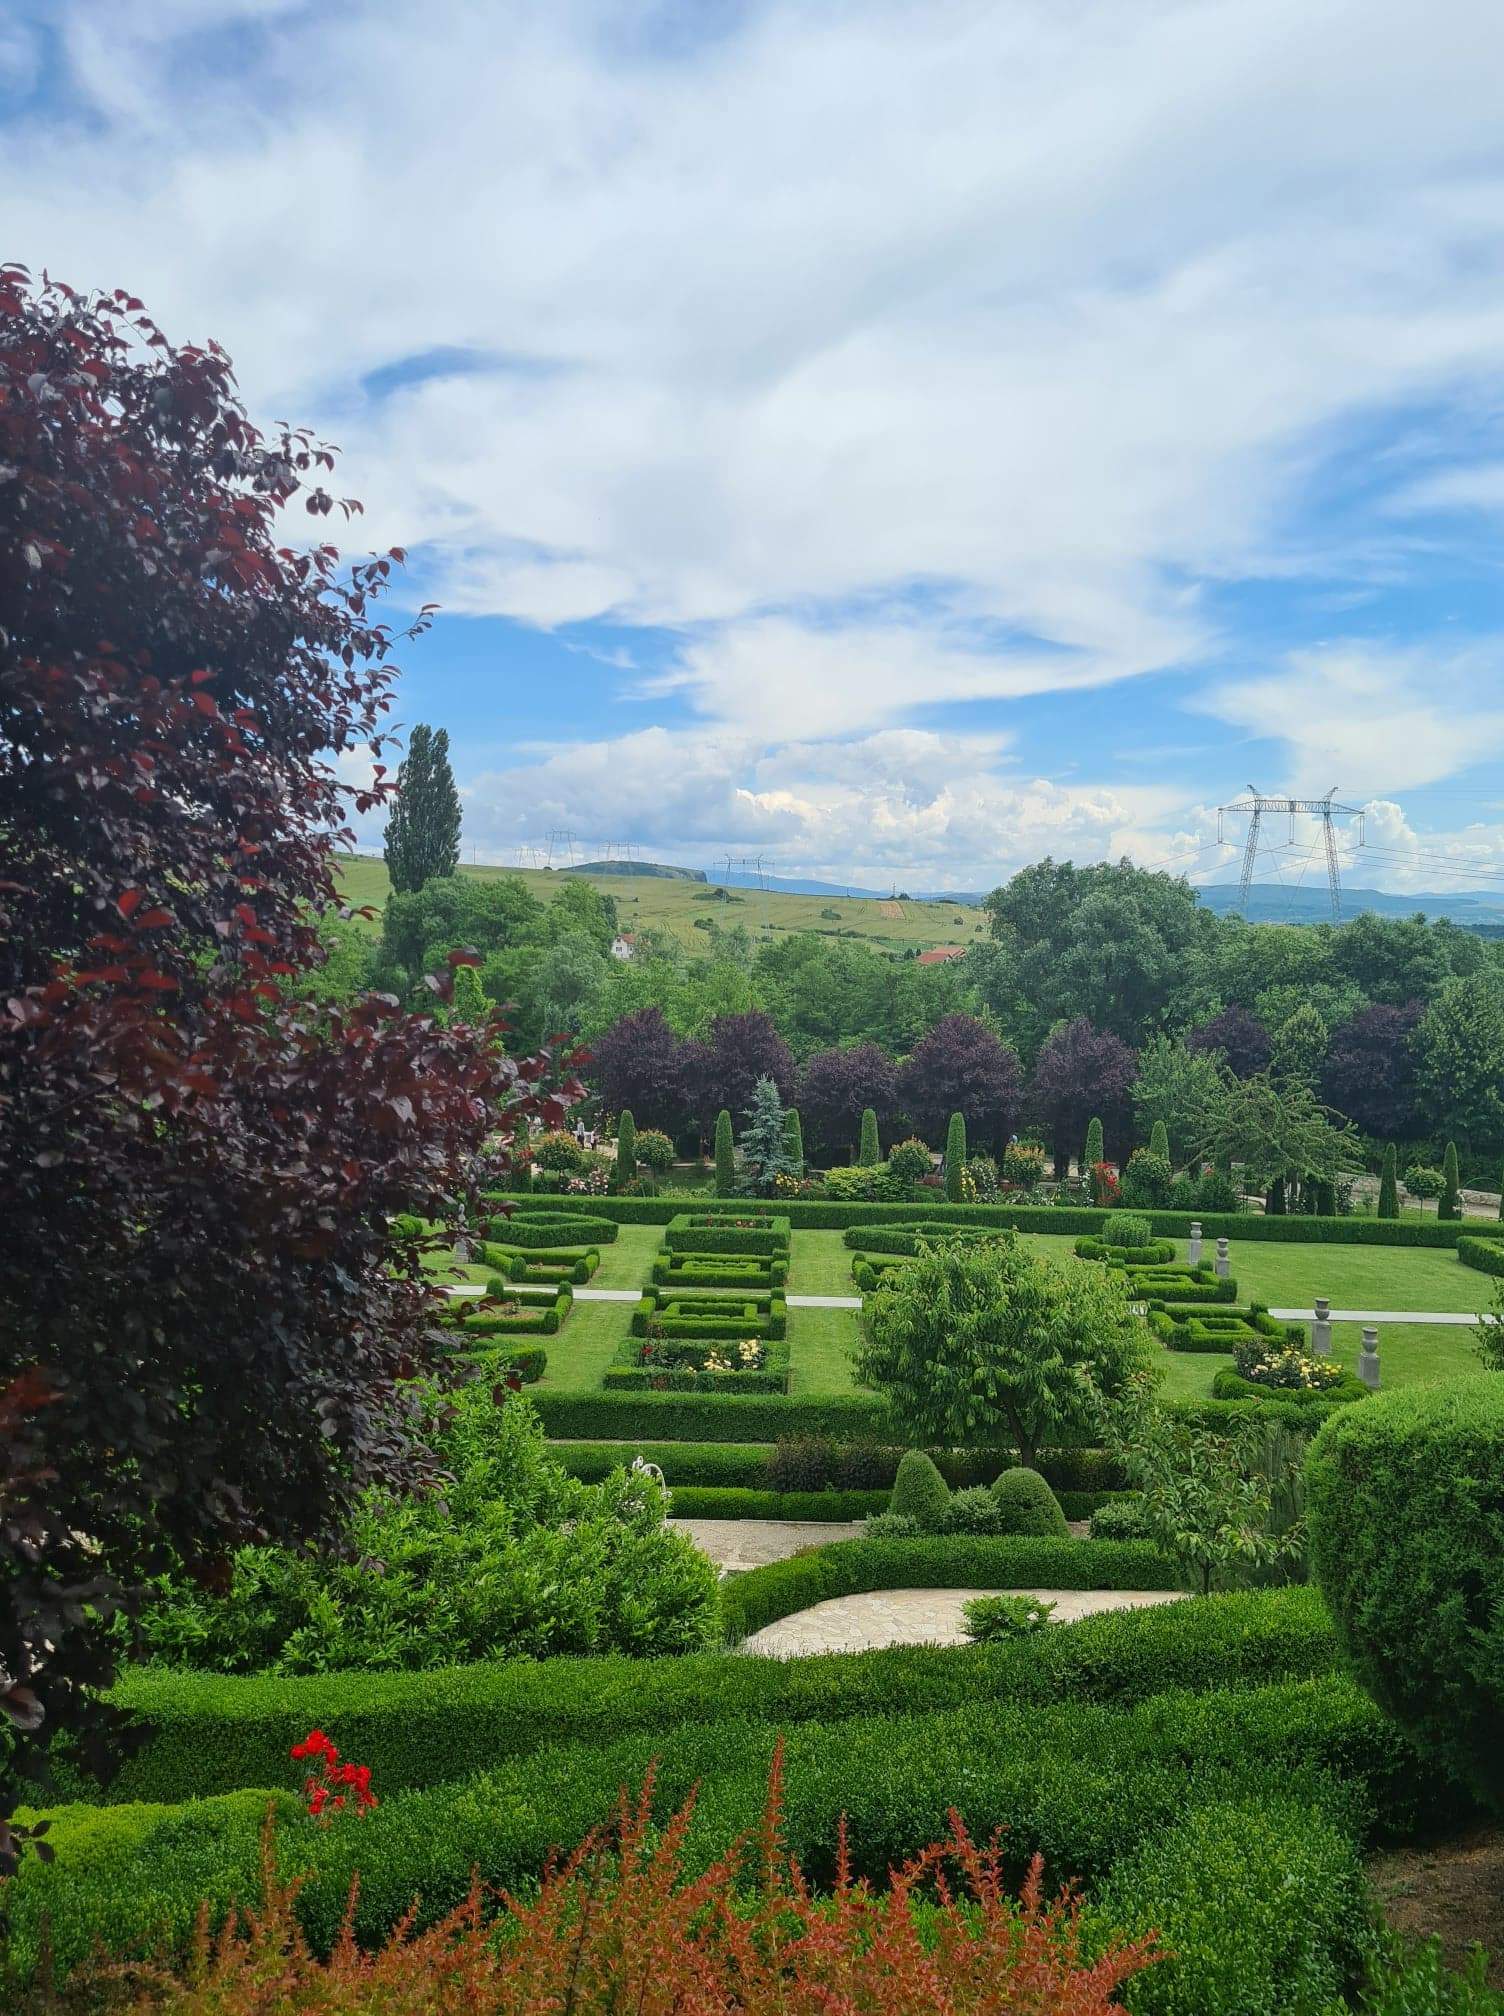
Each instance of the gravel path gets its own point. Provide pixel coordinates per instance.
(920, 1617)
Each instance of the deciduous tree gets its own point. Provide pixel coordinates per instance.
(834, 1089)
(1080, 1071)
(1240, 1036)
(1369, 1072)
(639, 1063)
(961, 1067)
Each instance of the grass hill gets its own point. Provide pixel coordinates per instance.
(672, 904)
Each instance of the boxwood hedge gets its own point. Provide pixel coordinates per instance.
(681, 1366)
(542, 1312)
(688, 1271)
(1197, 1329)
(535, 1266)
(536, 1223)
(1486, 1254)
(1230, 1384)
(1077, 1473)
(722, 1232)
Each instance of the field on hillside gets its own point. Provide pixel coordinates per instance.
(647, 901)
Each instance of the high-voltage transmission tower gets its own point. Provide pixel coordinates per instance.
(1258, 808)
(565, 842)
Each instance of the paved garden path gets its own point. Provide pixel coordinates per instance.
(920, 1617)
(1373, 1316)
(750, 1543)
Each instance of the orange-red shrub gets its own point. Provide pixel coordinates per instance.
(618, 1927)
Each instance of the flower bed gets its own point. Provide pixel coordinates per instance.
(1219, 1329)
(543, 1266)
(666, 1312)
(699, 1364)
(719, 1270)
(1230, 1384)
(726, 1232)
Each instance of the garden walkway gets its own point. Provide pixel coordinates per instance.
(752, 1543)
(1373, 1316)
(920, 1617)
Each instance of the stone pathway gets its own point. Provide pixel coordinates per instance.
(920, 1617)
(751, 1543)
(1373, 1316)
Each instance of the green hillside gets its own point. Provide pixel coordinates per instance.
(662, 904)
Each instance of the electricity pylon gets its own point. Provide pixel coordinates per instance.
(1257, 806)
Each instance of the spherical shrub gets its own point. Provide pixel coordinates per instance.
(1028, 1505)
(1120, 1519)
(1127, 1228)
(919, 1491)
(973, 1510)
(892, 1526)
(910, 1160)
(1405, 1498)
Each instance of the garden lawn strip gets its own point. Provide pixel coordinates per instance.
(819, 1264)
(822, 1343)
(579, 1355)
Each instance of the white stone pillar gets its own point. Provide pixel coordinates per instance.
(1368, 1360)
(1321, 1329)
(1195, 1242)
(1223, 1263)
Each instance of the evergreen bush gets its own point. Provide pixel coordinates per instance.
(793, 1139)
(725, 1155)
(869, 1150)
(1451, 1200)
(919, 1491)
(1159, 1140)
(955, 1157)
(1095, 1151)
(1028, 1506)
(626, 1149)
(1389, 1195)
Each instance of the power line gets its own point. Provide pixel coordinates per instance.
(1258, 808)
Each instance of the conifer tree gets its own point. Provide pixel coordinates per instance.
(765, 1143)
(1389, 1195)
(1451, 1201)
(1501, 1195)
(423, 833)
(1159, 1140)
(869, 1151)
(626, 1149)
(793, 1130)
(955, 1157)
(725, 1155)
(469, 1002)
(1095, 1151)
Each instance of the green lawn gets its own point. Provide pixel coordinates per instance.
(820, 1264)
(1410, 1354)
(821, 1344)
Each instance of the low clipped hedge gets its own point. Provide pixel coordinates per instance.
(709, 1232)
(870, 1271)
(1074, 1474)
(689, 1271)
(711, 1501)
(760, 1596)
(1230, 1384)
(533, 1266)
(1405, 1498)
(640, 1365)
(1158, 1253)
(908, 1240)
(670, 1312)
(1197, 1329)
(532, 1224)
(528, 1361)
(208, 1734)
(1177, 1285)
(1067, 1221)
(542, 1314)
(1086, 1786)
(1484, 1253)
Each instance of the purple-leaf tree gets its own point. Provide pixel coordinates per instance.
(836, 1087)
(1240, 1036)
(1081, 1072)
(1369, 1072)
(739, 1050)
(961, 1067)
(640, 1066)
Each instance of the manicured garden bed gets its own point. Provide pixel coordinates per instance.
(689, 1271)
(518, 1312)
(537, 1266)
(765, 1234)
(670, 1312)
(698, 1364)
(1198, 1329)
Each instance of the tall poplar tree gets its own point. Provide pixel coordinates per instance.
(423, 833)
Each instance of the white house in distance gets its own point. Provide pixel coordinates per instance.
(623, 945)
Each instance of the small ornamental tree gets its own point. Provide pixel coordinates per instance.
(177, 682)
(626, 1149)
(655, 1151)
(725, 1155)
(869, 1149)
(992, 1342)
(955, 1157)
(469, 1003)
(1389, 1195)
(423, 834)
(793, 1139)
(1159, 1140)
(1095, 1152)
(1451, 1197)
(764, 1142)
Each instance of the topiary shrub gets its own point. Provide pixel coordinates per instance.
(869, 1150)
(1127, 1228)
(1451, 1198)
(892, 1526)
(655, 1151)
(1120, 1518)
(1159, 1140)
(919, 1491)
(1405, 1499)
(1028, 1505)
(626, 1150)
(725, 1155)
(793, 1138)
(1147, 1181)
(973, 1510)
(955, 1158)
(1095, 1152)
(1389, 1196)
(909, 1161)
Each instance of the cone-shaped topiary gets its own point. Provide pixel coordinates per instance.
(869, 1150)
(1451, 1200)
(919, 1491)
(793, 1136)
(1029, 1505)
(1095, 1151)
(1274, 1199)
(1159, 1139)
(626, 1149)
(1389, 1193)
(955, 1157)
(725, 1155)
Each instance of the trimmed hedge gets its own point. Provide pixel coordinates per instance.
(1486, 1252)
(535, 1266)
(1230, 1384)
(870, 1271)
(1176, 1284)
(207, 1733)
(1068, 1221)
(544, 1312)
(1405, 1499)
(708, 1232)
(688, 1271)
(1218, 1329)
(528, 1361)
(1158, 1253)
(706, 1501)
(910, 1239)
(671, 1313)
(1074, 1474)
(1084, 1785)
(760, 1596)
(628, 1373)
(534, 1224)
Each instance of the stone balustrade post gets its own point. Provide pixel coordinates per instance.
(1223, 1263)
(1368, 1359)
(1195, 1242)
(1321, 1329)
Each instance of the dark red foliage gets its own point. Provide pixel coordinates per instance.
(961, 1067)
(640, 1064)
(835, 1089)
(199, 1282)
(1369, 1072)
(1240, 1036)
(723, 1070)
(1081, 1072)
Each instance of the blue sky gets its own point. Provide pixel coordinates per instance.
(898, 441)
